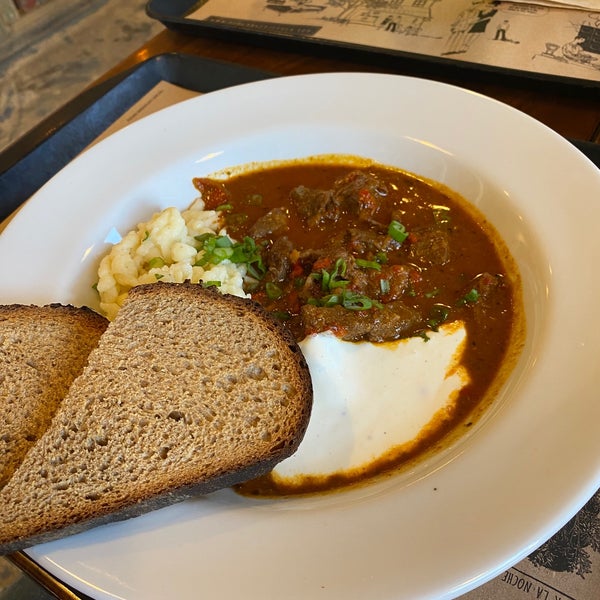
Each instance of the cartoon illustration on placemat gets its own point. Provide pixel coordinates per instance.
(395, 17)
(295, 6)
(470, 24)
(583, 49)
(386, 15)
(514, 36)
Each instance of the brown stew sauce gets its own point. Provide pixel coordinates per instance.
(373, 253)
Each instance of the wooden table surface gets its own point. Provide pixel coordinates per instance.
(571, 110)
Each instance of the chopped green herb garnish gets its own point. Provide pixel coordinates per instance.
(217, 248)
(299, 282)
(437, 315)
(469, 298)
(331, 280)
(156, 263)
(348, 299)
(384, 286)
(273, 291)
(432, 293)
(211, 283)
(223, 207)
(202, 237)
(397, 231)
(368, 264)
(353, 301)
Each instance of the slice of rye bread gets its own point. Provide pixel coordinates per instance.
(187, 392)
(42, 350)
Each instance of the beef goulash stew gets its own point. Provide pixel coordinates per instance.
(373, 254)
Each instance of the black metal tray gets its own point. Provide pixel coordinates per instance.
(36, 157)
(174, 15)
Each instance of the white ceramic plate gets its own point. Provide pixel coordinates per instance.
(451, 523)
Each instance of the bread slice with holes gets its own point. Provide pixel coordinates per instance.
(187, 392)
(42, 350)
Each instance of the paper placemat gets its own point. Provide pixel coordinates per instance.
(532, 38)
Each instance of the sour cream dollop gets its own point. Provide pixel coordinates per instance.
(370, 398)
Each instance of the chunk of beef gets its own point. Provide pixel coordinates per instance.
(488, 289)
(359, 278)
(369, 241)
(278, 261)
(359, 194)
(317, 261)
(325, 258)
(394, 321)
(315, 207)
(398, 280)
(486, 285)
(273, 223)
(356, 194)
(388, 283)
(430, 246)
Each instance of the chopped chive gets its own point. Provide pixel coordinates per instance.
(331, 300)
(156, 263)
(348, 299)
(469, 298)
(334, 279)
(368, 264)
(273, 291)
(397, 231)
(359, 302)
(438, 314)
(217, 248)
(202, 237)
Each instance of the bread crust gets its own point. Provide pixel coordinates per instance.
(42, 350)
(171, 424)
